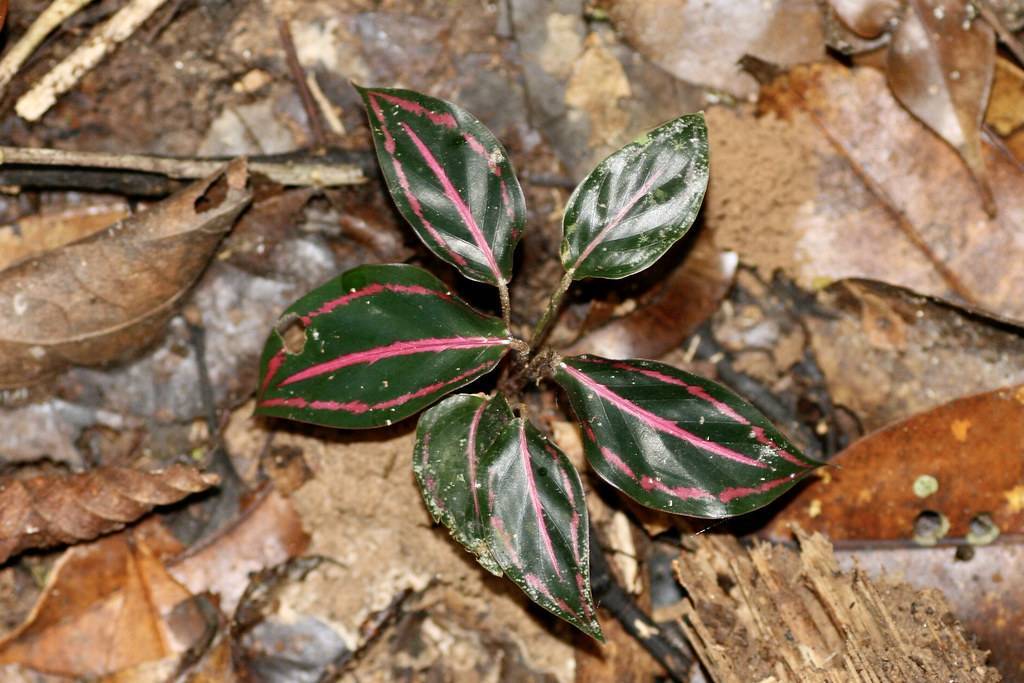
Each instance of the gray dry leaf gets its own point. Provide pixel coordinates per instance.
(97, 299)
(940, 68)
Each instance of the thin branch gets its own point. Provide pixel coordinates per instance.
(673, 654)
(284, 32)
(540, 332)
(49, 19)
(305, 172)
(37, 101)
(506, 305)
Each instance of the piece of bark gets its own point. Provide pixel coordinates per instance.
(44, 511)
(771, 614)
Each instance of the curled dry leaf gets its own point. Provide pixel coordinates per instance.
(960, 460)
(940, 67)
(50, 510)
(38, 233)
(94, 300)
(108, 606)
(866, 18)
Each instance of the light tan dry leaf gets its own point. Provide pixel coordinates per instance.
(940, 67)
(44, 511)
(266, 534)
(701, 42)
(1005, 113)
(108, 606)
(97, 299)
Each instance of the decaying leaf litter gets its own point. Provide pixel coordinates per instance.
(875, 282)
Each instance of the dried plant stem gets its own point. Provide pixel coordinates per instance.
(506, 304)
(49, 19)
(37, 101)
(540, 332)
(286, 173)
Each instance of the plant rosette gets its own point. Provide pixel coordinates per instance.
(384, 342)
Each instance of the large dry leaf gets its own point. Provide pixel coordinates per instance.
(940, 67)
(108, 606)
(48, 510)
(268, 533)
(94, 300)
(962, 460)
(702, 42)
(887, 353)
(845, 183)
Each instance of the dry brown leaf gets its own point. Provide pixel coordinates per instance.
(685, 299)
(38, 233)
(701, 42)
(44, 511)
(266, 534)
(940, 67)
(847, 184)
(94, 300)
(108, 606)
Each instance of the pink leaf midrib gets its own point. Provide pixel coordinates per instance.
(538, 511)
(399, 348)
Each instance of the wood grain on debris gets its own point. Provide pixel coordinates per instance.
(771, 614)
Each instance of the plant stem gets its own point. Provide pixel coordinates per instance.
(506, 305)
(546, 320)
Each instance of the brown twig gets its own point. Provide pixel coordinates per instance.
(299, 78)
(305, 171)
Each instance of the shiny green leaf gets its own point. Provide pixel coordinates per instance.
(537, 519)
(450, 439)
(638, 202)
(381, 343)
(678, 442)
(450, 178)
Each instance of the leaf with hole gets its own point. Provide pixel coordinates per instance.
(677, 442)
(450, 178)
(638, 202)
(537, 521)
(381, 343)
(450, 439)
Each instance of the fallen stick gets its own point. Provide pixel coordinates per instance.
(49, 19)
(301, 172)
(37, 101)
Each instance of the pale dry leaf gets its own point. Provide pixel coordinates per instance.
(94, 300)
(48, 510)
(866, 18)
(268, 533)
(47, 230)
(108, 606)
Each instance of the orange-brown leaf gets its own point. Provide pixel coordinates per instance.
(96, 299)
(108, 606)
(50, 510)
(962, 460)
